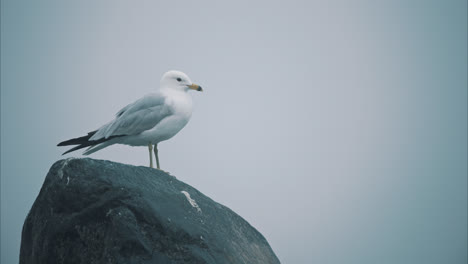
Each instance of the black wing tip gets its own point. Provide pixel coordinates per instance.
(68, 143)
(77, 148)
(78, 140)
(83, 142)
(68, 151)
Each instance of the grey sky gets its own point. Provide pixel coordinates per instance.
(337, 128)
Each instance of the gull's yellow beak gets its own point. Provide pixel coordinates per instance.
(195, 87)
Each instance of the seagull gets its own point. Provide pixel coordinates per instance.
(151, 119)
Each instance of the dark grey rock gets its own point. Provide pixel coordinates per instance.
(94, 211)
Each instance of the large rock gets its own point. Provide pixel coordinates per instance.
(94, 211)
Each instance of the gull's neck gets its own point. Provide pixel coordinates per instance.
(175, 93)
(179, 100)
(170, 90)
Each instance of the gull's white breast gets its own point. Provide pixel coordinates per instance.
(181, 105)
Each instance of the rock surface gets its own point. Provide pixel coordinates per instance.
(94, 211)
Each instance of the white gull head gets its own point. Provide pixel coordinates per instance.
(177, 80)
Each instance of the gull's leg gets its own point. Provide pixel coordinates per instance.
(150, 148)
(156, 155)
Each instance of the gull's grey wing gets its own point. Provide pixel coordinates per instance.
(135, 118)
(150, 100)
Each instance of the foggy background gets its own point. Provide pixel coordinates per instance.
(338, 129)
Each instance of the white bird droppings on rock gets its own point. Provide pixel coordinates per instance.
(65, 163)
(191, 201)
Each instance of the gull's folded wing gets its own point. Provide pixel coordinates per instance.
(135, 118)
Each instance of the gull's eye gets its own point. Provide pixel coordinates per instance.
(179, 79)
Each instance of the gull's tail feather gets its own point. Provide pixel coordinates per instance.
(83, 142)
(97, 147)
(77, 141)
